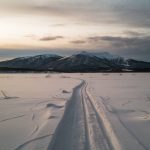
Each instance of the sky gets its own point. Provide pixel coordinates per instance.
(29, 27)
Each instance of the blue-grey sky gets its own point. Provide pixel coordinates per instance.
(116, 26)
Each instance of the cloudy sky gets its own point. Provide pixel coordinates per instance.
(28, 27)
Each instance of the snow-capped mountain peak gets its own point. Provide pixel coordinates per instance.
(78, 62)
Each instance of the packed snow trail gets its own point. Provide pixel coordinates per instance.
(81, 127)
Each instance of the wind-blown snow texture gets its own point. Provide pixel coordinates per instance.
(103, 111)
(34, 107)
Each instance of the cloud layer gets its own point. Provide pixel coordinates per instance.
(121, 26)
(122, 12)
(50, 38)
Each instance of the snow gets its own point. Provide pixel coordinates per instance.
(46, 56)
(103, 55)
(29, 116)
(104, 110)
(107, 55)
(127, 106)
(38, 56)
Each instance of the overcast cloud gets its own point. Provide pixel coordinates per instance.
(122, 26)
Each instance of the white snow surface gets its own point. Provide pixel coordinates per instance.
(31, 109)
(126, 102)
(102, 55)
(99, 111)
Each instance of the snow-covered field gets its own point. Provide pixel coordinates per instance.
(126, 98)
(31, 106)
(75, 111)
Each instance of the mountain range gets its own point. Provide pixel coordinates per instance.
(79, 62)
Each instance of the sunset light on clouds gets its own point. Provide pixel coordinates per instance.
(118, 26)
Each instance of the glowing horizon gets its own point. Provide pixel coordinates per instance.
(89, 25)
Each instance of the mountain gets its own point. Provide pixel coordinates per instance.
(38, 62)
(79, 62)
(138, 65)
(115, 60)
(85, 62)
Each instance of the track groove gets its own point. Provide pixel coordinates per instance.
(80, 127)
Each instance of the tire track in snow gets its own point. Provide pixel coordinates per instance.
(132, 133)
(31, 141)
(70, 133)
(35, 130)
(98, 137)
(16, 117)
(80, 127)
